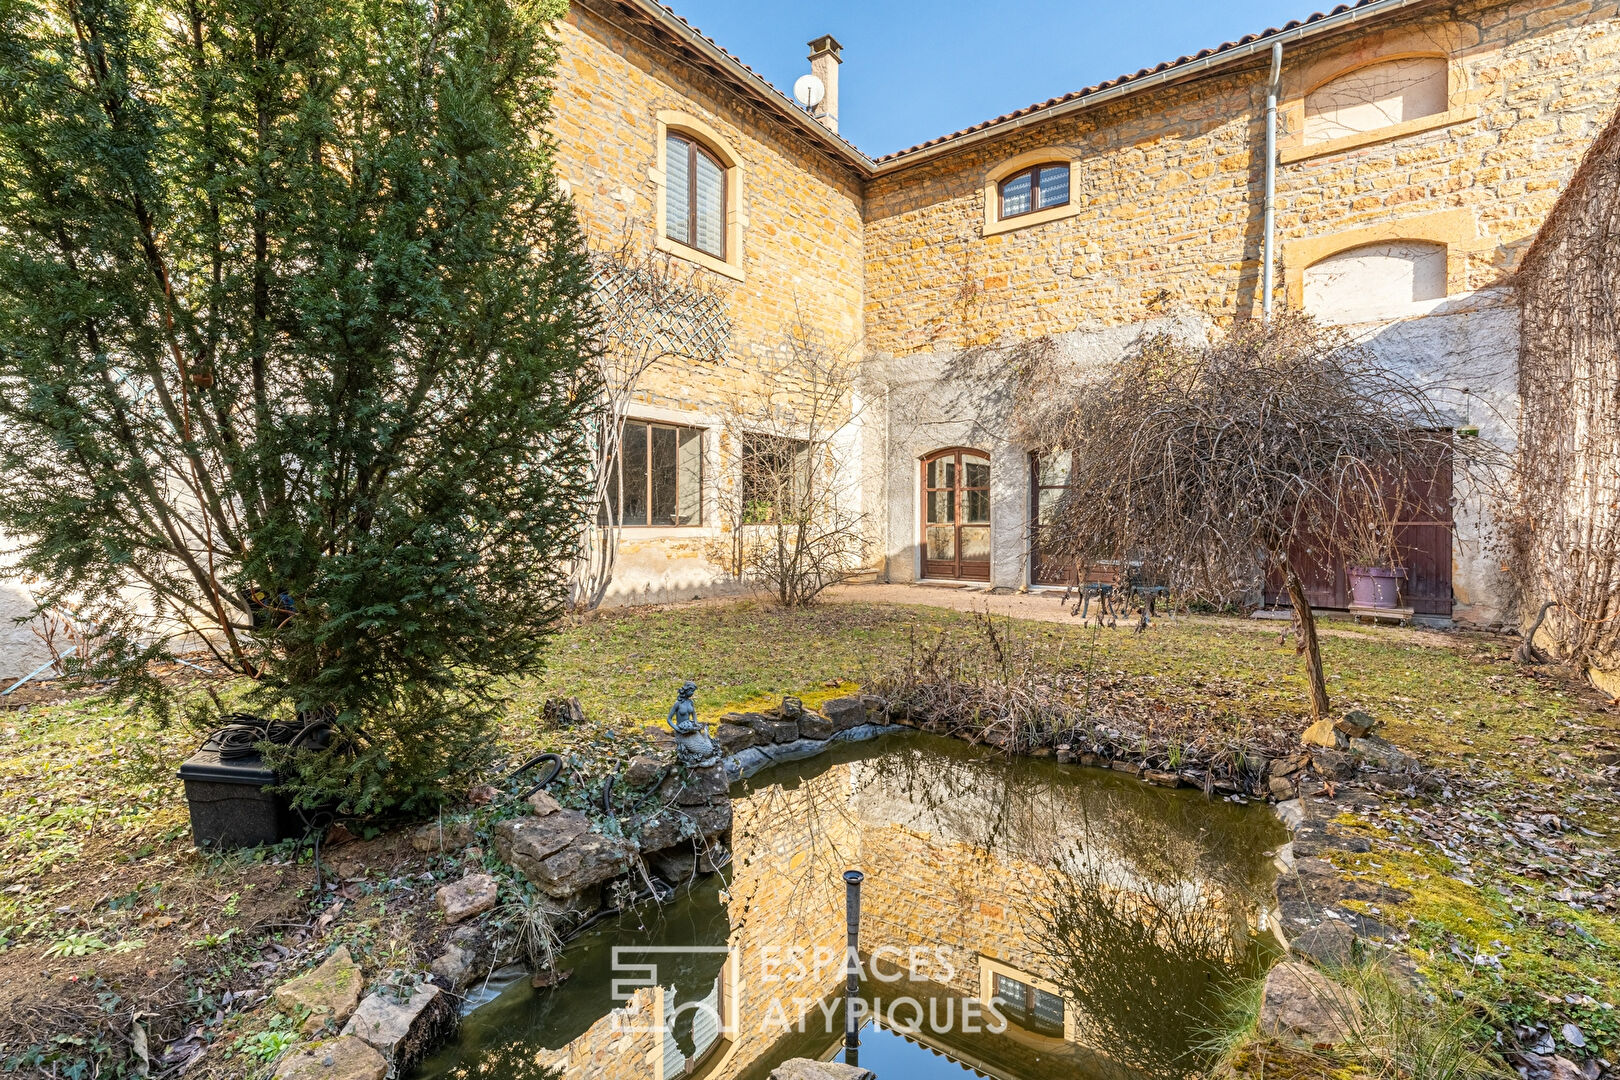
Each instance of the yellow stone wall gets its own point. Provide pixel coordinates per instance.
(1167, 184)
(800, 232)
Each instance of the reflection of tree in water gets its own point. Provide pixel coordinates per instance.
(1145, 954)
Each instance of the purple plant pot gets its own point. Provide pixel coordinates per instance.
(1375, 586)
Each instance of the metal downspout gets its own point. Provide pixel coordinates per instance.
(1268, 252)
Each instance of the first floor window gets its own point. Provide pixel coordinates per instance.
(1029, 1006)
(774, 476)
(1039, 188)
(660, 475)
(694, 196)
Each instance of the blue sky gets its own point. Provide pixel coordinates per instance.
(915, 70)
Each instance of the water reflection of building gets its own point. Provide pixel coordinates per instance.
(985, 879)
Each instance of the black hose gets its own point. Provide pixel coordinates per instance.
(607, 792)
(556, 771)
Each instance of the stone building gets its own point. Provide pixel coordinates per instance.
(1420, 146)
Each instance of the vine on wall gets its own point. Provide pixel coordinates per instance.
(1566, 528)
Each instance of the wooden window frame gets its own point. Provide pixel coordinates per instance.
(695, 148)
(1024, 1014)
(616, 499)
(1034, 174)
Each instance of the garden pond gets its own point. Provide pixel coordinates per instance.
(1020, 919)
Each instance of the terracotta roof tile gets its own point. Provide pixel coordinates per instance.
(1120, 80)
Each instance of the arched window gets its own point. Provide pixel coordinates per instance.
(1375, 280)
(1039, 187)
(1376, 96)
(694, 195)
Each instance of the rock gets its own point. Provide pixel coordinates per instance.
(1324, 734)
(877, 708)
(1382, 754)
(457, 966)
(675, 865)
(1162, 779)
(792, 709)
(346, 1058)
(1065, 754)
(698, 786)
(844, 712)
(712, 820)
(451, 835)
(473, 895)
(559, 852)
(812, 726)
(330, 992)
(770, 729)
(810, 1069)
(542, 805)
(1355, 724)
(467, 955)
(1333, 764)
(549, 977)
(731, 738)
(663, 828)
(1331, 943)
(1130, 768)
(1281, 787)
(1290, 765)
(404, 1031)
(563, 712)
(645, 770)
(1299, 1001)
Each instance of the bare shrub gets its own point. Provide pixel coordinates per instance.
(791, 510)
(1214, 464)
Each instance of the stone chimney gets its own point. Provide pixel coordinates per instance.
(825, 56)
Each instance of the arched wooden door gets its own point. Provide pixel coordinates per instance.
(956, 514)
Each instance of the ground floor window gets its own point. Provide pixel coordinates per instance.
(660, 475)
(773, 472)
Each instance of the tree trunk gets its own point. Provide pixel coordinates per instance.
(1308, 644)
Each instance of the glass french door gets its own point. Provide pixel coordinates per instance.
(956, 515)
(1049, 478)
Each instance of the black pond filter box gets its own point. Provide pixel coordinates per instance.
(231, 806)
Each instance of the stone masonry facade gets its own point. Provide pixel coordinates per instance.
(903, 258)
(903, 261)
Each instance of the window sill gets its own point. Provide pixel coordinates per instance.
(1037, 217)
(668, 532)
(1290, 154)
(703, 259)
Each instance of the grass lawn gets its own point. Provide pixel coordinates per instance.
(105, 905)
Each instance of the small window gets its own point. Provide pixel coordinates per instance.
(1376, 96)
(660, 479)
(1030, 1007)
(1040, 187)
(773, 471)
(694, 196)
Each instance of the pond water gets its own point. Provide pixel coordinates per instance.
(1020, 920)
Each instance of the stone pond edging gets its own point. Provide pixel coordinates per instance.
(569, 860)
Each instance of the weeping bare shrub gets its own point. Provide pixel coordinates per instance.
(1214, 465)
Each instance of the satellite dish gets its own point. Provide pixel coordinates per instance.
(809, 91)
